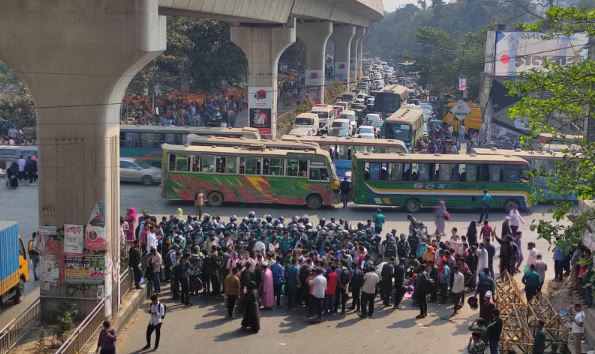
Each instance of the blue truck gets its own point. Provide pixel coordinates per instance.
(14, 265)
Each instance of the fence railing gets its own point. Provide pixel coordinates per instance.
(16, 329)
(77, 339)
(126, 282)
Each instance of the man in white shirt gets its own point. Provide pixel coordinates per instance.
(371, 279)
(533, 252)
(483, 262)
(259, 246)
(515, 219)
(151, 239)
(318, 285)
(458, 289)
(157, 311)
(578, 327)
(21, 163)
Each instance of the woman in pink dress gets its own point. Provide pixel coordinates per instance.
(268, 292)
(130, 218)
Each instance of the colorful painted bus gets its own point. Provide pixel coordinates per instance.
(248, 175)
(543, 168)
(342, 149)
(414, 181)
(389, 99)
(199, 140)
(406, 124)
(144, 142)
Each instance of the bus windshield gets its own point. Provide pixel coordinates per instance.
(397, 131)
(386, 102)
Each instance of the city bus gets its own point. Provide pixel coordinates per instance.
(342, 149)
(414, 181)
(249, 174)
(406, 124)
(389, 99)
(543, 168)
(144, 142)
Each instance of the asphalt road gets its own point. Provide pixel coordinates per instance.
(21, 205)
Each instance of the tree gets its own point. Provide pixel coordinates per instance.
(559, 96)
(423, 4)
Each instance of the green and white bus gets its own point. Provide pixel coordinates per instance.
(414, 181)
(249, 174)
(406, 124)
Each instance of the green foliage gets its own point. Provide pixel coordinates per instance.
(556, 97)
(446, 40)
(65, 322)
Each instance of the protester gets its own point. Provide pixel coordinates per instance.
(532, 282)
(371, 279)
(232, 290)
(34, 255)
(578, 327)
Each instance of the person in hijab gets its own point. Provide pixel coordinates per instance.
(441, 214)
(12, 176)
(472, 234)
(251, 317)
(130, 218)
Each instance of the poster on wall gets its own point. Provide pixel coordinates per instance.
(74, 239)
(341, 71)
(84, 270)
(50, 269)
(97, 217)
(260, 105)
(95, 238)
(314, 85)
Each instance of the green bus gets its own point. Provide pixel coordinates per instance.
(414, 181)
(249, 174)
(543, 167)
(143, 143)
(406, 124)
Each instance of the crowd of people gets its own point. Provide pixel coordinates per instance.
(440, 139)
(334, 266)
(22, 170)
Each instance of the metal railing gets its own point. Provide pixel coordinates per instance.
(126, 282)
(77, 339)
(16, 329)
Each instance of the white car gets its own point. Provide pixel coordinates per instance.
(351, 116)
(366, 131)
(340, 128)
(374, 120)
(302, 131)
(132, 170)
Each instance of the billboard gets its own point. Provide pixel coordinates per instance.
(314, 85)
(260, 105)
(512, 53)
(342, 71)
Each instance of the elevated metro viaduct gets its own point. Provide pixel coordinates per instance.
(78, 56)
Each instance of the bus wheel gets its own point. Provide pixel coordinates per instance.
(20, 292)
(511, 203)
(314, 202)
(215, 199)
(412, 206)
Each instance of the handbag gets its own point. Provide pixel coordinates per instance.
(447, 216)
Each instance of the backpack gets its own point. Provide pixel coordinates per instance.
(421, 250)
(164, 309)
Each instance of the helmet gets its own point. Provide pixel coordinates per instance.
(269, 218)
(233, 218)
(251, 215)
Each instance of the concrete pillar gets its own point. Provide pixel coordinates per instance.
(77, 58)
(360, 53)
(354, 55)
(315, 35)
(263, 46)
(341, 37)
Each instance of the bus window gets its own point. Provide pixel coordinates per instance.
(495, 173)
(207, 163)
(470, 172)
(272, 167)
(395, 171)
(444, 172)
(150, 140)
(220, 164)
(510, 174)
(172, 162)
(169, 138)
(130, 140)
(196, 163)
(484, 173)
(182, 163)
(231, 165)
(423, 171)
(292, 168)
(303, 168)
(318, 174)
(252, 165)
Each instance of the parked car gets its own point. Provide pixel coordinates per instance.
(340, 128)
(132, 170)
(366, 131)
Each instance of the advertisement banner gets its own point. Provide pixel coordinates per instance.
(462, 84)
(314, 85)
(260, 105)
(342, 71)
(74, 239)
(95, 238)
(84, 270)
(517, 52)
